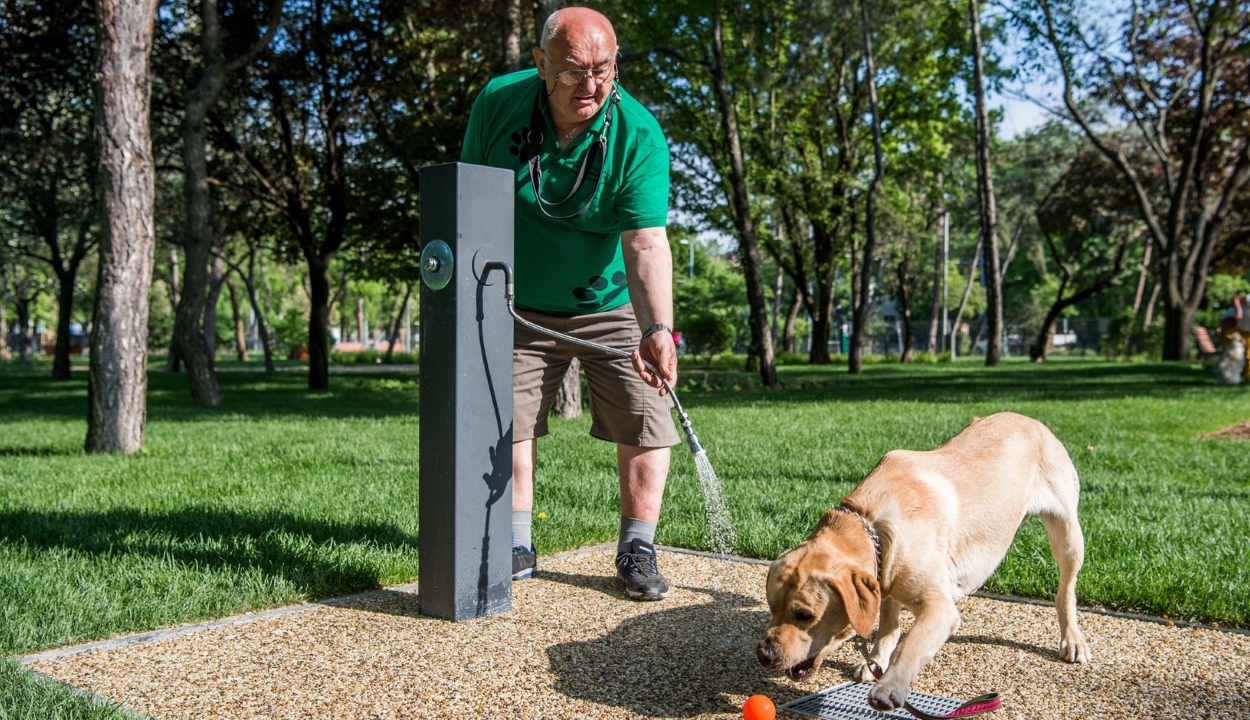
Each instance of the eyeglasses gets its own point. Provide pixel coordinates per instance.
(601, 75)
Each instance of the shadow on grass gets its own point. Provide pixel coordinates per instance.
(673, 663)
(950, 384)
(250, 395)
(278, 395)
(39, 452)
(276, 544)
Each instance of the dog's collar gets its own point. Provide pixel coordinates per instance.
(872, 534)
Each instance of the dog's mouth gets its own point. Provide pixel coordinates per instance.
(801, 671)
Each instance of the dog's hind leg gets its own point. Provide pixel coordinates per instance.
(888, 633)
(1067, 544)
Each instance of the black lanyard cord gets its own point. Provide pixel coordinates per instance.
(535, 138)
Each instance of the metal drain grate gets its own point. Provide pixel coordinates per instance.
(849, 701)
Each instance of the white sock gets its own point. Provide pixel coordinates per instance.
(522, 523)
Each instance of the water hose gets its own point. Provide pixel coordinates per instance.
(692, 440)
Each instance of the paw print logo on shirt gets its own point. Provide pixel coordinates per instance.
(599, 292)
(520, 145)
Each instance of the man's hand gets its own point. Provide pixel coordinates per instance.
(658, 350)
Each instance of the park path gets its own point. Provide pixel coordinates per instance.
(572, 647)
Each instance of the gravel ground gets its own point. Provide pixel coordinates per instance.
(572, 647)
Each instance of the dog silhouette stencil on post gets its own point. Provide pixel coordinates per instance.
(922, 531)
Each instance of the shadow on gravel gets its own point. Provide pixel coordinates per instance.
(675, 662)
(1042, 652)
(605, 583)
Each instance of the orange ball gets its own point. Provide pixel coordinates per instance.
(759, 707)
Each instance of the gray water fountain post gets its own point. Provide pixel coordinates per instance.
(465, 509)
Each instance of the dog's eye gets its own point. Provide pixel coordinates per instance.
(803, 616)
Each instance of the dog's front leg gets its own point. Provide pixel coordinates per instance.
(936, 619)
(888, 633)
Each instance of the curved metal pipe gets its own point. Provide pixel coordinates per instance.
(508, 292)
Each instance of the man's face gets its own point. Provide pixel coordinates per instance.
(588, 54)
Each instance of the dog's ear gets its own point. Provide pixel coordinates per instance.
(861, 595)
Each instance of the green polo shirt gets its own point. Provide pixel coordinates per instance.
(573, 266)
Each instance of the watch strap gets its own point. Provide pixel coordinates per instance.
(654, 329)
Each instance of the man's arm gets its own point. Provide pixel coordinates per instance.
(649, 267)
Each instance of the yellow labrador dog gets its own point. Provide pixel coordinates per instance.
(923, 531)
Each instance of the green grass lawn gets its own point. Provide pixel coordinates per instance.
(282, 495)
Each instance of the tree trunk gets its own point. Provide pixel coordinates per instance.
(822, 307)
(761, 340)
(4, 331)
(1150, 306)
(361, 331)
(904, 301)
(568, 402)
(985, 199)
(1177, 323)
(117, 379)
(26, 336)
(189, 345)
(318, 326)
(261, 327)
(216, 276)
(400, 313)
(194, 341)
(860, 309)
(963, 301)
(787, 335)
(175, 296)
(189, 328)
(938, 280)
(778, 286)
(512, 35)
(542, 11)
(64, 314)
(240, 336)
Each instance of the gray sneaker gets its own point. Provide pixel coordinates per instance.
(638, 574)
(524, 562)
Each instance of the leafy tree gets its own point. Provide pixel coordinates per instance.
(1166, 104)
(223, 52)
(709, 307)
(48, 156)
(1088, 225)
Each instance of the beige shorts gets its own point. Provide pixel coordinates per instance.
(623, 408)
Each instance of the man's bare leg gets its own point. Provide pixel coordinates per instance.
(643, 473)
(524, 458)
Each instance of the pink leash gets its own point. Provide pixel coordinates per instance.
(976, 706)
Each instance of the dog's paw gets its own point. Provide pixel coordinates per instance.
(884, 698)
(1073, 648)
(863, 674)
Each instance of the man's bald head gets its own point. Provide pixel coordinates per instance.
(576, 26)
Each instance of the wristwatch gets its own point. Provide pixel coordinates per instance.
(654, 329)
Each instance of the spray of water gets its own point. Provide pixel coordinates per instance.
(721, 536)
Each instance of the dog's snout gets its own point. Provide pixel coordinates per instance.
(766, 654)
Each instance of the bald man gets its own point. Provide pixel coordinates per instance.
(592, 261)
